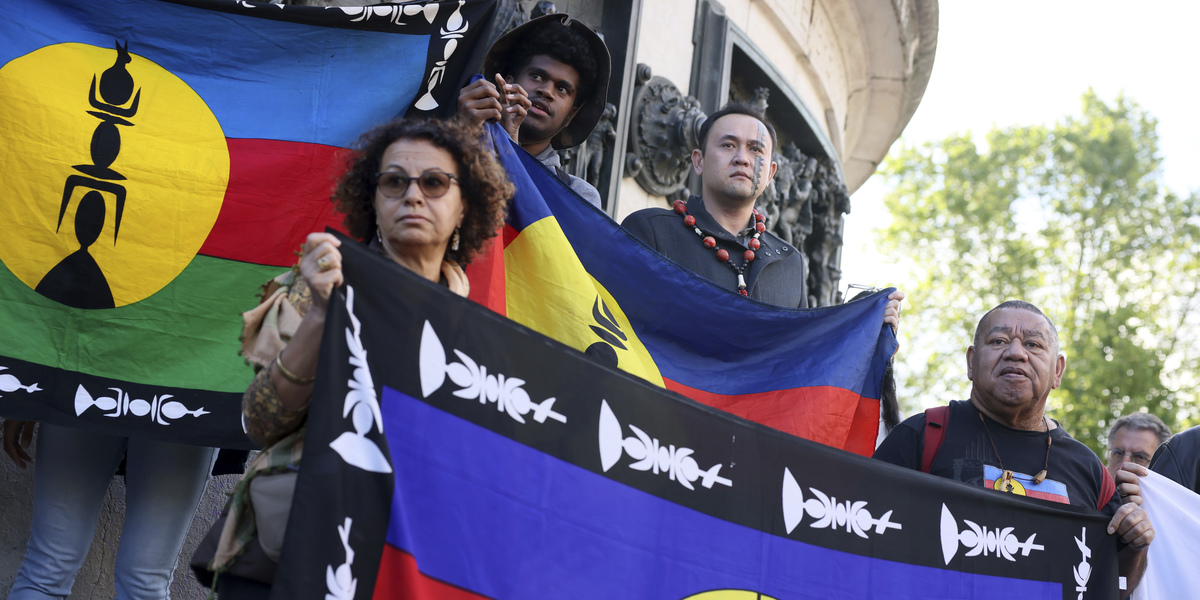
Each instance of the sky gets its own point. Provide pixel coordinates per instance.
(1026, 63)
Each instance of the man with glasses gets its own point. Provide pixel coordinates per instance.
(1134, 438)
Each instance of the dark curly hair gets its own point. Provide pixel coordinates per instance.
(564, 45)
(484, 184)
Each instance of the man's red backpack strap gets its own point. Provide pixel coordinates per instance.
(936, 419)
(1108, 487)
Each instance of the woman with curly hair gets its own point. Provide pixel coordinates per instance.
(425, 194)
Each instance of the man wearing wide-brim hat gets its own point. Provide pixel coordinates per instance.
(554, 75)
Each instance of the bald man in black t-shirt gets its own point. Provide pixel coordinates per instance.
(1001, 438)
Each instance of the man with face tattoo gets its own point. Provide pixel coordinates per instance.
(553, 72)
(719, 234)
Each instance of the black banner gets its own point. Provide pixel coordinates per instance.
(454, 27)
(104, 405)
(457, 448)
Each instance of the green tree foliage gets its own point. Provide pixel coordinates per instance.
(1073, 218)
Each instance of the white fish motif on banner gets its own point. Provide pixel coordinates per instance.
(121, 405)
(651, 455)
(828, 512)
(1083, 571)
(10, 383)
(982, 541)
(456, 27)
(393, 13)
(361, 405)
(476, 383)
(341, 582)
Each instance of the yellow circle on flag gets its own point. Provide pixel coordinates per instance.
(729, 595)
(92, 134)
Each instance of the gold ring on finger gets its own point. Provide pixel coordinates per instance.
(324, 264)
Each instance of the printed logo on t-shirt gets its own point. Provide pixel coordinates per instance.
(1023, 485)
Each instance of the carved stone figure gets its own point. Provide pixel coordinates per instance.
(797, 215)
(786, 201)
(759, 100)
(830, 201)
(664, 129)
(601, 142)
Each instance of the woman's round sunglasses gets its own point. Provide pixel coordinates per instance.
(433, 184)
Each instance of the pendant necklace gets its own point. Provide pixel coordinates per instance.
(722, 254)
(1006, 482)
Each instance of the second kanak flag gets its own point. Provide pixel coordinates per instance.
(570, 272)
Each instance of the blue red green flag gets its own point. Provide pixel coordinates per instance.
(162, 160)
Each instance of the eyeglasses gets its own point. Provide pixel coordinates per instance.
(1140, 458)
(433, 184)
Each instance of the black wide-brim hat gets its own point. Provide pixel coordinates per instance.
(589, 113)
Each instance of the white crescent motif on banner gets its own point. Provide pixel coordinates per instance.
(982, 541)
(828, 512)
(476, 383)
(651, 455)
(361, 405)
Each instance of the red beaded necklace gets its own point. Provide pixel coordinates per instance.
(722, 254)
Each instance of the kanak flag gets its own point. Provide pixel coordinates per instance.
(568, 271)
(161, 161)
(454, 454)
